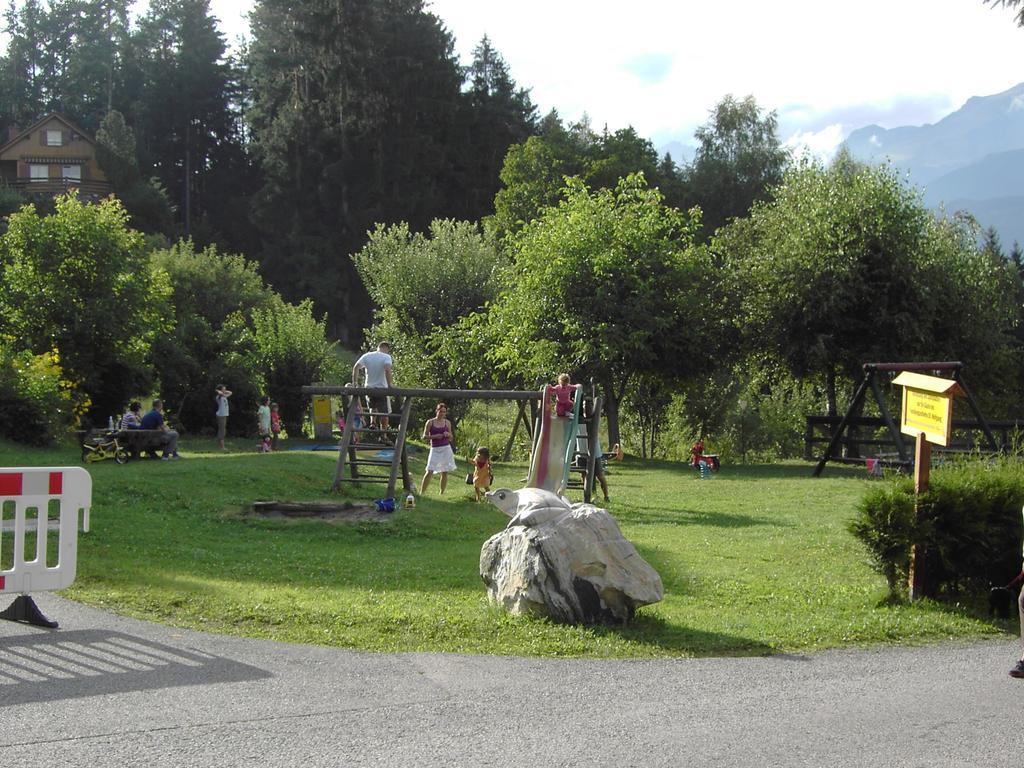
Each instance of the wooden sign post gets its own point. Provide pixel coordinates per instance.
(928, 416)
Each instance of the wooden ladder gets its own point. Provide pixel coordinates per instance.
(352, 445)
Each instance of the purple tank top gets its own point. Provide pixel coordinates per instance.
(436, 435)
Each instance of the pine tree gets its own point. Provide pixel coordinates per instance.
(353, 109)
(496, 115)
(22, 96)
(184, 120)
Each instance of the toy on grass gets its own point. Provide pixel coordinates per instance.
(697, 456)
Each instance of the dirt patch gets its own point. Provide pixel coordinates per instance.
(343, 511)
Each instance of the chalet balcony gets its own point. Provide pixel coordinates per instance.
(87, 189)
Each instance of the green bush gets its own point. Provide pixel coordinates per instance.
(213, 296)
(885, 524)
(233, 329)
(35, 405)
(969, 525)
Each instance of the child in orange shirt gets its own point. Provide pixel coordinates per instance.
(482, 474)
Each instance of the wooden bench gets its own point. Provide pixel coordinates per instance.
(135, 441)
(139, 441)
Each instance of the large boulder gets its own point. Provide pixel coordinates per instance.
(565, 561)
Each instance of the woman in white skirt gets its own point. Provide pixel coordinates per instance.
(438, 431)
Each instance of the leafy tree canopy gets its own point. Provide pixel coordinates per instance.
(603, 286)
(422, 285)
(214, 297)
(739, 159)
(847, 266)
(78, 283)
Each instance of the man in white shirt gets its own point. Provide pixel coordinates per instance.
(377, 366)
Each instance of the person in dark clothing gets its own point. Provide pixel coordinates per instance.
(154, 419)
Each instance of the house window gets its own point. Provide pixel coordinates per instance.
(54, 138)
(72, 172)
(39, 172)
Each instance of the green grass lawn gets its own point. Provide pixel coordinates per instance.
(754, 561)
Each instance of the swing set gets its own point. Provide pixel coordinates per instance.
(556, 441)
(842, 433)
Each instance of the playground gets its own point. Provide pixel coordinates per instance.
(755, 561)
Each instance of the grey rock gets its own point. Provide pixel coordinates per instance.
(570, 563)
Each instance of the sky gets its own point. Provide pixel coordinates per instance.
(826, 68)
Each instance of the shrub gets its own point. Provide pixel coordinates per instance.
(885, 524)
(969, 526)
(292, 351)
(214, 296)
(232, 328)
(35, 405)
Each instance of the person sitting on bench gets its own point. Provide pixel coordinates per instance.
(132, 418)
(154, 419)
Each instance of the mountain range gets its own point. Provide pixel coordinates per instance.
(971, 160)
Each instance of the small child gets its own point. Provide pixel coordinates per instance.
(275, 425)
(482, 474)
(697, 453)
(357, 422)
(563, 393)
(263, 424)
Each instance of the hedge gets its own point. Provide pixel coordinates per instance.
(969, 525)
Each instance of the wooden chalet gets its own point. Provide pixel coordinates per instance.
(51, 157)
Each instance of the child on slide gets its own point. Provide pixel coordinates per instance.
(563, 394)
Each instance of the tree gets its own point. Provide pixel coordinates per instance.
(78, 284)
(214, 296)
(94, 69)
(292, 351)
(847, 266)
(185, 120)
(35, 403)
(495, 115)
(1009, 4)
(423, 284)
(603, 285)
(738, 161)
(534, 171)
(231, 328)
(618, 154)
(67, 57)
(648, 400)
(22, 96)
(532, 177)
(145, 200)
(353, 107)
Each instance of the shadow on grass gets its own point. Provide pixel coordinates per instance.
(783, 471)
(684, 641)
(664, 515)
(964, 606)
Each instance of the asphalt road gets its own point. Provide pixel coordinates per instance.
(108, 691)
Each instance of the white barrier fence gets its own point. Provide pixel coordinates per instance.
(38, 504)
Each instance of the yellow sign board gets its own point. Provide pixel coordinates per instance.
(927, 406)
(321, 409)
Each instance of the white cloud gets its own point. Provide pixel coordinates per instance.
(822, 55)
(874, 141)
(794, 56)
(822, 144)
